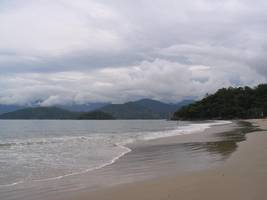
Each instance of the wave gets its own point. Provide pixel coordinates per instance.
(41, 141)
(189, 129)
(127, 150)
(11, 184)
(180, 130)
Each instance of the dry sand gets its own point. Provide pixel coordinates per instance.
(243, 176)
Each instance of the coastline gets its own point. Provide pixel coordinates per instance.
(169, 138)
(242, 176)
(149, 161)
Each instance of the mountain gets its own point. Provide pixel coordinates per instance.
(142, 109)
(162, 109)
(83, 107)
(40, 113)
(9, 108)
(73, 107)
(54, 113)
(228, 103)
(97, 115)
(184, 103)
(130, 110)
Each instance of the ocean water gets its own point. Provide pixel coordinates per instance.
(41, 150)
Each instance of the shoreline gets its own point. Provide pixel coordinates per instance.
(182, 138)
(221, 182)
(148, 162)
(136, 144)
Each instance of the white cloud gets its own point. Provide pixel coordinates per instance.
(53, 28)
(79, 51)
(160, 79)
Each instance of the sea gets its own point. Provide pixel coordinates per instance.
(34, 151)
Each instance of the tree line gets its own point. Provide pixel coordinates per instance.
(228, 103)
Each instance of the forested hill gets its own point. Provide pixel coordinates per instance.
(143, 109)
(40, 113)
(163, 110)
(228, 103)
(130, 110)
(95, 115)
(54, 113)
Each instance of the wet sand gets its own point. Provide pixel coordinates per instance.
(243, 175)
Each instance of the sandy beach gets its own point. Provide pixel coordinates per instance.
(242, 176)
(133, 100)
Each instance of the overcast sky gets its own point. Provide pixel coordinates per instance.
(65, 51)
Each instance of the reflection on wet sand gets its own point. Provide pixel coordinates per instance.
(226, 142)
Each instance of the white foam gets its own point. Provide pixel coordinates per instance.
(127, 150)
(190, 129)
(11, 184)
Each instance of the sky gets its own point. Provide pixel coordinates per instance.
(65, 51)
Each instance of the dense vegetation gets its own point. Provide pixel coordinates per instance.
(40, 113)
(228, 103)
(142, 109)
(9, 108)
(53, 113)
(164, 110)
(87, 107)
(98, 115)
(130, 110)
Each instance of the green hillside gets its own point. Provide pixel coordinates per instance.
(97, 115)
(130, 110)
(143, 109)
(228, 103)
(164, 110)
(40, 113)
(9, 108)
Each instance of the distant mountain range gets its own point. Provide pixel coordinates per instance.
(83, 107)
(40, 113)
(72, 107)
(53, 113)
(142, 109)
(9, 108)
(129, 110)
(95, 115)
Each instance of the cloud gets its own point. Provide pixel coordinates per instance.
(79, 51)
(160, 79)
(54, 28)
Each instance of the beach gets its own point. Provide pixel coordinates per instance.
(133, 100)
(241, 176)
(174, 160)
(53, 159)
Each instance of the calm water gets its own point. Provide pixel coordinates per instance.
(36, 150)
